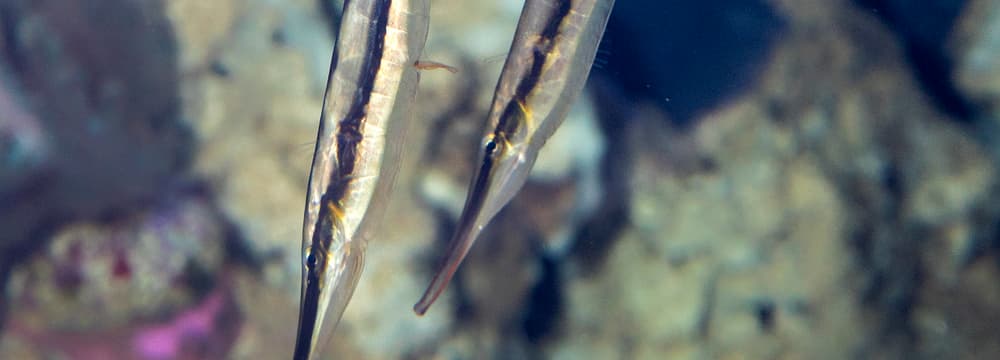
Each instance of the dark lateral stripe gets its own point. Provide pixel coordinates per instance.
(307, 317)
(349, 138)
(477, 195)
(349, 134)
(510, 120)
(316, 264)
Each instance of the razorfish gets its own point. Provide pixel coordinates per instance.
(548, 64)
(372, 82)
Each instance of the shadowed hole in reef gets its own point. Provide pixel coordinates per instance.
(765, 311)
(544, 302)
(923, 28)
(886, 250)
(688, 56)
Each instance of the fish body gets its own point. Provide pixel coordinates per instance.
(371, 84)
(548, 64)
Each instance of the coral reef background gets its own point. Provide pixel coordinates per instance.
(761, 179)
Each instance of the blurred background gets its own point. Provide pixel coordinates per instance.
(742, 179)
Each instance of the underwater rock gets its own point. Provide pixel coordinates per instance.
(922, 30)
(975, 44)
(826, 208)
(200, 26)
(494, 286)
(124, 273)
(956, 317)
(96, 275)
(757, 226)
(105, 95)
(256, 114)
(203, 332)
(24, 147)
(568, 172)
(795, 220)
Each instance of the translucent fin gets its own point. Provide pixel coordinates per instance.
(324, 301)
(459, 246)
(332, 267)
(344, 283)
(494, 186)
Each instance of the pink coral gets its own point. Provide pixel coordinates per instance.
(166, 341)
(206, 331)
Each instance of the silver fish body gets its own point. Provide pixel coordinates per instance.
(549, 61)
(371, 85)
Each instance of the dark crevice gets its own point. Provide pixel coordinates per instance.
(5, 269)
(992, 243)
(219, 68)
(923, 29)
(464, 307)
(8, 35)
(765, 311)
(887, 250)
(469, 89)
(445, 224)
(238, 251)
(11, 256)
(544, 304)
(892, 183)
(595, 237)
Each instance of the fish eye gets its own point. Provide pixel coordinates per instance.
(311, 260)
(491, 146)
